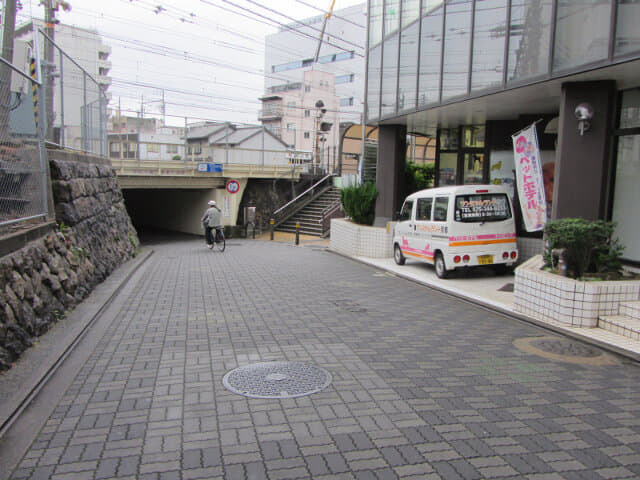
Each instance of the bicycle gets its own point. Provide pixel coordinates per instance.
(219, 242)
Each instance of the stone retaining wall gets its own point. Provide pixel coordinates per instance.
(50, 275)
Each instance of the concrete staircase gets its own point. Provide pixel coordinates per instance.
(626, 323)
(310, 216)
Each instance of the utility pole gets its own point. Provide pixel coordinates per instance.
(50, 9)
(5, 71)
(49, 30)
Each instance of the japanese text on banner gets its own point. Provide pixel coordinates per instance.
(529, 179)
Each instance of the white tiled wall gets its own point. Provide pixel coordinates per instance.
(550, 297)
(529, 247)
(360, 241)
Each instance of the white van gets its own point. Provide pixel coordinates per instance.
(456, 227)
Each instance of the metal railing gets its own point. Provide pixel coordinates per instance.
(23, 169)
(127, 167)
(289, 208)
(76, 105)
(334, 210)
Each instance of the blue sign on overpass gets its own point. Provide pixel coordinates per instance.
(210, 167)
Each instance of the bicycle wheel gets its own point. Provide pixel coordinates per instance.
(220, 242)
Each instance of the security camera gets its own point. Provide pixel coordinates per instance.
(584, 112)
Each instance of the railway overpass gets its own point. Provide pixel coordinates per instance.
(172, 194)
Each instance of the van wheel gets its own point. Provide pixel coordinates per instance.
(441, 269)
(398, 256)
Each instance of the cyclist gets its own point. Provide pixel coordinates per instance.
(212, 221)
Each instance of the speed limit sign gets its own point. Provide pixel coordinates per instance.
(233, 186)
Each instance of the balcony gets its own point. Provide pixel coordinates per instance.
(271, 113)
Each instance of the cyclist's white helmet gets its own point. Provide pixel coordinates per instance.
(212, 202)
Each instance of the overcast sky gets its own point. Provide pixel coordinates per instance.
(208, 60)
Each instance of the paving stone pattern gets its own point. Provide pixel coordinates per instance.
(424, 386)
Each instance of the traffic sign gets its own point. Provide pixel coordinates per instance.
(233, 186)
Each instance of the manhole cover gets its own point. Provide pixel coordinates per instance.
(565, 347)
(563, 350)
(277, 380)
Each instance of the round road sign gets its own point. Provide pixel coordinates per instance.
(233, 186)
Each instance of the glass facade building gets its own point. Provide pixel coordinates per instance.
(425, 53)
(470, 73)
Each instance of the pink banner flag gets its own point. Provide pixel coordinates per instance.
(529, 179)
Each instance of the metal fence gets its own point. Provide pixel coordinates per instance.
(76, 105)
(23, 169)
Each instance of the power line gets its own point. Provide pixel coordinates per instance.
(288, 27)
(333, 14)
(300, 23)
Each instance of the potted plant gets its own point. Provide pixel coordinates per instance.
(579, 277)
(354, 235)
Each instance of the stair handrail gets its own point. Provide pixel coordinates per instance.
(281, 214)
(311, 188)
(328, 213)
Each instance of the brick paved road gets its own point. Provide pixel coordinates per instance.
(424, 385)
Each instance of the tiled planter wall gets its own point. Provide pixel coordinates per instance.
(529, 247)
(549, 297)
(356, 240)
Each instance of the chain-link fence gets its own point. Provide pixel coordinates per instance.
(76, 105)
(23, 172)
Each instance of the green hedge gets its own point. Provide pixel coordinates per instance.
(359, 202)
(590, 246)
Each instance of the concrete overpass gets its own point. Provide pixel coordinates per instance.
(173, 194)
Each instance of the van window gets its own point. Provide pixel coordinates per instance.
(405, 213)
(424, 209)
(440, 210)
(484, 207)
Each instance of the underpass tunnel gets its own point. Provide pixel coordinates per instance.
(176, 210)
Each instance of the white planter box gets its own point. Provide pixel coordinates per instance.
(553, 298)
(356, 240)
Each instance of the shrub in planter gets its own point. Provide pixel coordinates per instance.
(418, 177)
(359, 202)
(589, 247)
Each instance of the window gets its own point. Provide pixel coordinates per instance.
(345, 78)
(114, 147)
(172, 149)
(306, 134)
(291, 126)
(488, 46)
(456, 48)
(153, 148)
(405, 213)
(424, 209)
(291, 104)
(529, 33)
(440, 210)
(483, 207)
(346, 102)
(336, 57)
(627, 34)
(307, 88)
(581, 34)
(307, 113)
(195, 149)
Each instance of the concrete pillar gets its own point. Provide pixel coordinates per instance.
(390, 167)
(582, 161)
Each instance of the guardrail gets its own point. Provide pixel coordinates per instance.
(172, 168)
